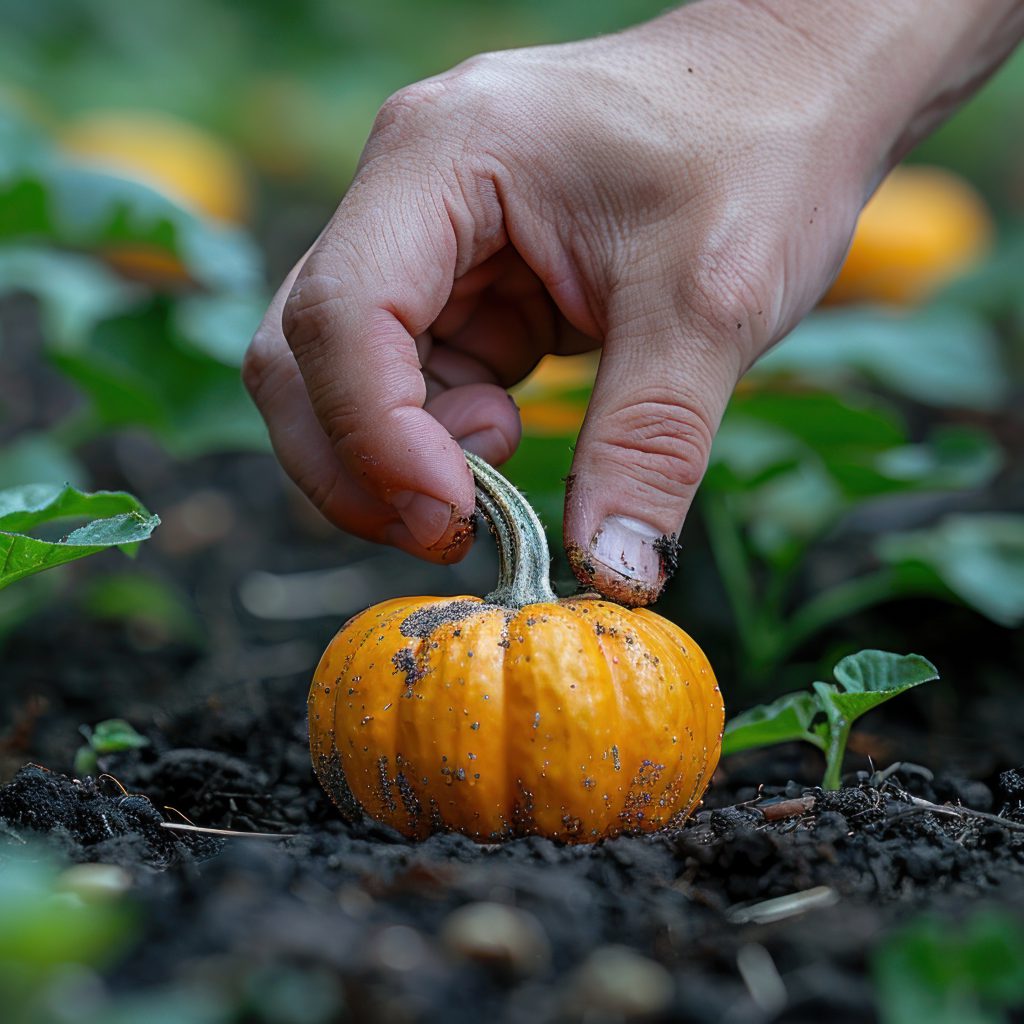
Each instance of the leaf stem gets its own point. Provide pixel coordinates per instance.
(733, 567)
(842, 600)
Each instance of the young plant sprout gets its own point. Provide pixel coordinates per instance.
(824, 715)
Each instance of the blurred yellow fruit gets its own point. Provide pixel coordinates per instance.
(176, 158)
(923, 227)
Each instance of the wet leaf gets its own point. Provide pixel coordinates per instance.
(785, 719)
(116, 520)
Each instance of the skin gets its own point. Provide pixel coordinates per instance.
(680, 194)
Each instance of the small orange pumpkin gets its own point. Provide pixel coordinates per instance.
(519, 714)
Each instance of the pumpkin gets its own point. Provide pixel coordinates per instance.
(516, 714)
(920, 230)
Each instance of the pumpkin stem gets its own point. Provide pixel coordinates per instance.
(523, 558)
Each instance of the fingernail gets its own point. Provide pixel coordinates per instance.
(426, 518)
(627, 559)
(484, 442)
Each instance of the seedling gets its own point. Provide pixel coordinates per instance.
(109, 737)
(824, 715)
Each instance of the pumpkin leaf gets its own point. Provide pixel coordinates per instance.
(74, 291)
(117, 519)
(45, 200)
(787, 718)
(136, 373)
(871, 673)
(980, 558)
(943, 355)
(824, 715)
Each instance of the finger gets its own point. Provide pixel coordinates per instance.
(661, 389)
(379, 276)
(480, 416)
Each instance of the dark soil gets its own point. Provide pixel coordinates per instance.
(364, 919)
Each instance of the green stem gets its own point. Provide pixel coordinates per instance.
(839, 602)
(733, 567)
(524, 562)
(76, 429)
(839, 734)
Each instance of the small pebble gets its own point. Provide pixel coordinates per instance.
(616, 982)
(499, 935)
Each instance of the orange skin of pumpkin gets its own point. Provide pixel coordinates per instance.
(576, 720)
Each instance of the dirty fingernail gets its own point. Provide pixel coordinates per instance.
(426, 518)
(627, 560)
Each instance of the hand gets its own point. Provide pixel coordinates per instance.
(680, 194)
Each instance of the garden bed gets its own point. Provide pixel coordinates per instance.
(773, 903)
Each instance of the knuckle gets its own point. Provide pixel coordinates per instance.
(661, 442)
(264, 367)
(306, 316)
(340, 417)
(406, 111)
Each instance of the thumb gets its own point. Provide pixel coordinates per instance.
(661, 389)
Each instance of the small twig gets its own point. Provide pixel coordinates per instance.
(792, 808)
(115, 781)
(178, 827)
(781, 907)
(966, 812)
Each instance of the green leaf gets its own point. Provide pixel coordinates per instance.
(824, 716)
(826, 423)
(883, 671)
(961, 972)
(942, 355)
(137, 374)
(118, 520)
(787, 718)
(868, 679)
(980, 558)
(954, 458)
(41, 930)
(114, 735)
(750, 452)
(220, 326)
(45, 200)
(75, 291)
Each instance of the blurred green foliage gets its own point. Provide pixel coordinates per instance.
(53, 937)
(859, 407)
(107, 737)
(967, 972)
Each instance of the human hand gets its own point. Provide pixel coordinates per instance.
(680, 194)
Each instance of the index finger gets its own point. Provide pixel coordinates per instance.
(378, 277)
